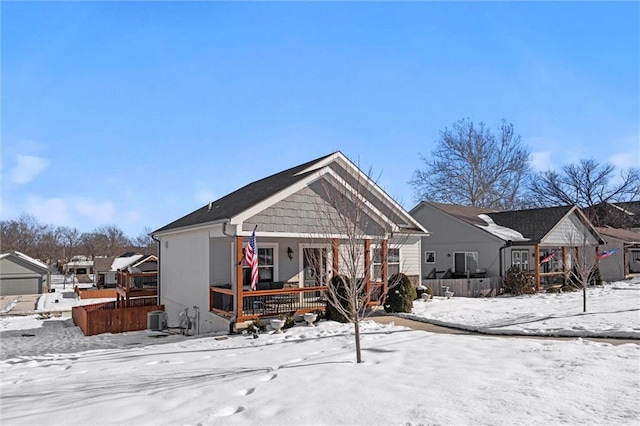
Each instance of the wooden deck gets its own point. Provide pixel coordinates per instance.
(272, 303)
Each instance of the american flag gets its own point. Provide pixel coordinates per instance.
(549, 257)
(606, 254)
(251, 257)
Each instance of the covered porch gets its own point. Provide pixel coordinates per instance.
(237, 302)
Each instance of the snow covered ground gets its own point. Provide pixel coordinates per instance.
(52, 374)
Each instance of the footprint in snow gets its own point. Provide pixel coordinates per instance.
(245, 392)
(228, 411)
(268, 377)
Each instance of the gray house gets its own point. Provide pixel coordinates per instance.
(622, 253)
(301, 241)
(21, 274)
(476, 243)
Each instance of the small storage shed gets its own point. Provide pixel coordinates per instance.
(21, 274)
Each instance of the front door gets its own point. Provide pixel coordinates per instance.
(314, 268)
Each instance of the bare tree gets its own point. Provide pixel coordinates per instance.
(21, 235)
(349, 222)
(69, 238)
(107, 240)
(585, 184)
(144, 242)
(583, 261)
(472, 166)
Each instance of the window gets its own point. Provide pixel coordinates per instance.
(266, 266)
(393, 260)
(520, 258)
(429, 257)
(465, 262)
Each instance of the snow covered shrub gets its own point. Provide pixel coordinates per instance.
(401, 294)
(338, 285)
(420, 290)
(517, 282)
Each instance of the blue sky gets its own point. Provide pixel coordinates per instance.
(135, 114)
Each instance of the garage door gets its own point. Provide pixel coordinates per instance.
(15, 286)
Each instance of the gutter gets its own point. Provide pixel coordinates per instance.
(158, 286)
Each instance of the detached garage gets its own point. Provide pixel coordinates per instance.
(21, 274)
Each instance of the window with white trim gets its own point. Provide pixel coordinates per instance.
(393, 260)
(266, 266)
(520, 258)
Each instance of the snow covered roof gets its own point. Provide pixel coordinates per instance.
(502, 232)
(124, 262)
(26, 258)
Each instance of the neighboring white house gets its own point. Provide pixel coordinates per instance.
(22, 274)
(201, 254)
(106, 268)
(79, 265)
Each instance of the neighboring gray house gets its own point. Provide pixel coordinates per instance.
(622, 251)
(300, 245)
(474, 242)
(21, 274)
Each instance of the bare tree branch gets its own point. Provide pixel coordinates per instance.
(585, 184)
(471, 166)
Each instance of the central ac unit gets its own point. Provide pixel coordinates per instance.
(157, 320)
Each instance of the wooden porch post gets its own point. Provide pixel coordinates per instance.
(537, 257)
(564, 265)
(385, 265)
(239, 276)
(335, 243)
(367, 267)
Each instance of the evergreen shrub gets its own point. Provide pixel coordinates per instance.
(401, 294)
(338, 284)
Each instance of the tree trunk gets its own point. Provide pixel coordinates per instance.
(356, 325)
(584, 299)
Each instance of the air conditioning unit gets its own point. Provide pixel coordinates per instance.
(156, 320)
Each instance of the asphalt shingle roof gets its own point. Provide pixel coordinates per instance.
(531, 223)
(244, 198)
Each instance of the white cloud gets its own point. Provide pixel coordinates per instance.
(541, 161)
(203, 194)
(28, 168)
(625, 160)
(53, 211)
(98, 212)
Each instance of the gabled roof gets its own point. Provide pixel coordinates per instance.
(145, 258)
(244, 198)
(102, 264)
(530, 225)
(122, 262)
(625, 235)
(243, 201)
(533, 224)
(36, 264)
(465, 213)
(623, 215)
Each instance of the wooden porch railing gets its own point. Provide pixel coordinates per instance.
(136, 285)
(270, 303)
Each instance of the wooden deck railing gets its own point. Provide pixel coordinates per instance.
(269, 303)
